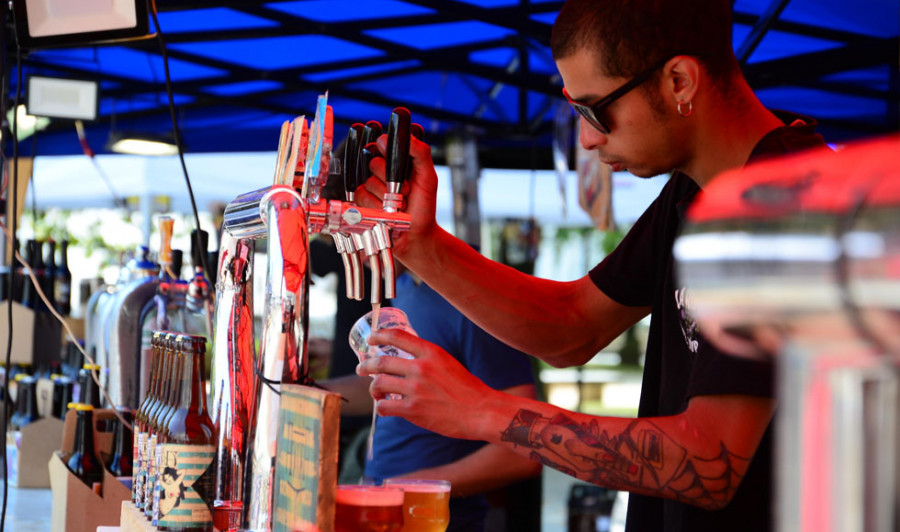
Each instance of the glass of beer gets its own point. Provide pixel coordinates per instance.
(368, 509)
(426, 504)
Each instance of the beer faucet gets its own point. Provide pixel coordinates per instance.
(245, 388)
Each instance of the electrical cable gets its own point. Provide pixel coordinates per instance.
(86, 148)
(14, 195)
(3, 425)
(178, 143)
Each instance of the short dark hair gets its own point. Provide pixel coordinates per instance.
(632, 35)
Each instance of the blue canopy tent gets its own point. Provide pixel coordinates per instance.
(240, 69)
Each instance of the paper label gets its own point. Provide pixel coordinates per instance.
(150, 480)
(140, 475)
(183, 485)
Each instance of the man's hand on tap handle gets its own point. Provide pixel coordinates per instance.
(420, 192)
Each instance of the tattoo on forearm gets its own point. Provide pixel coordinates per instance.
(642, 458)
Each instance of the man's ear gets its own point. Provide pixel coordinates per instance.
(682, 75)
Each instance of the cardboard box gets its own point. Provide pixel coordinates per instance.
(37, 336)
(76, 507)
(28, 450)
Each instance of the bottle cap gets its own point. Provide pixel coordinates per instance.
(80, 407)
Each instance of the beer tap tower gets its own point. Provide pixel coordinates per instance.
(245, 387)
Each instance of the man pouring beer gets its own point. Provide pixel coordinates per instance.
(659, 90)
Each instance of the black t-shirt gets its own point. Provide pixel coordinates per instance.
(679, 362)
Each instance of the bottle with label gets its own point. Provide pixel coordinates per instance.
(186, 479)
(121, 462)
(174, 401)
(26, 402)
(62, 396)
(89, 390)
(170, 388)
(63, 283)
(83, 463)
(141, 418)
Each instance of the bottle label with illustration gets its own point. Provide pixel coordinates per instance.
(150, 481)
(185, 485)
(140, 474)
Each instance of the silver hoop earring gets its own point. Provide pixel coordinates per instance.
(686, 112)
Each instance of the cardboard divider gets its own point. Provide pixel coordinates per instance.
(28, 450)
(76, 507)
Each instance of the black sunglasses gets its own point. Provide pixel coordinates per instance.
(594, 113)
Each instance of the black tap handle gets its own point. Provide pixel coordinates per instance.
(397, 156)
(371, 132)
(351, 157)
(415, 130)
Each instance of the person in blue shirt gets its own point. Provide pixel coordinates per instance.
(404, 450)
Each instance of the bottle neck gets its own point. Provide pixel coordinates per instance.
(31, 408)
(84, 433)
(51, 256)
(122, 442)
(64, 256)
(193, 394)
(175, 386)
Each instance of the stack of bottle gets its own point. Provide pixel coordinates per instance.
(24, 409)
(174, 438)
(84, 463)
(52, 274)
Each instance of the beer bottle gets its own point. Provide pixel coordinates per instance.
(83, 463)
(186, 480)
(62, 286)
(165, 416)
(27, 398)
(121, 462)
(89, 390)
(62, 396)
(29, 294)
(17, 271)
(157, 425)
(20, 400)
(48, 280)
(141, 418)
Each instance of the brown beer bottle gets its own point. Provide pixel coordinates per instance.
(167, 384)
(83, 463)
(121, 462)
(186, 481)
(139, 448)
(174, 393)
(89, 392)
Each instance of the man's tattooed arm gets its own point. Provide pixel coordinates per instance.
(642, 458)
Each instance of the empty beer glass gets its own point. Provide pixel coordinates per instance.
(386, 318)
(378, 318)
(368, 509)
(426, 504)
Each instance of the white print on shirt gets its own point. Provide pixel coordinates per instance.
(689, 327)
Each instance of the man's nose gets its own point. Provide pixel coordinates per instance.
(590, 137)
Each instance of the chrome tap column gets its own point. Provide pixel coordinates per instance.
(799, 259)
(245, 389)
(232, 372)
